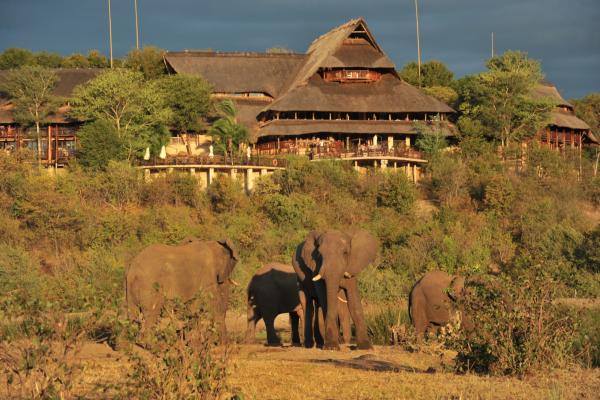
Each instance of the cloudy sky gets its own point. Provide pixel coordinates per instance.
(563, 34)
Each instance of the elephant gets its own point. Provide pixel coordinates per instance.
(162, 272)
(325, 262)
(432, 302)
(274, 289)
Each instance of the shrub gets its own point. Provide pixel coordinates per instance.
(389, 324)
(518, 329)
(293, 210)
(225, 194)
(100, 143)
(397, 192)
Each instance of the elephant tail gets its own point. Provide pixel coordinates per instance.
(410, 301)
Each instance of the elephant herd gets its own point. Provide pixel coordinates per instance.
(319, 289)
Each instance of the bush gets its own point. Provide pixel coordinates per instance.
(397, 192)
(225, 195)
(518, 328)
(389, 324)
(100, 143)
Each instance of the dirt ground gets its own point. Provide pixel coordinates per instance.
(386, 372)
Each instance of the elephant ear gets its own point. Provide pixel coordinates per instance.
(457, 285)
(228, 244)
(363, 251)
(308, 249)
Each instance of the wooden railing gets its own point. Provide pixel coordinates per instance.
(254, 161)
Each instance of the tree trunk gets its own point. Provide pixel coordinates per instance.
(39, 142)
(186, 142)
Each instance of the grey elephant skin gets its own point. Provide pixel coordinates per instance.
(274, 289)
(162, 272)
(325, 262)
(433, 301)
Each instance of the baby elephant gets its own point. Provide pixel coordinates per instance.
(274, 290)
(432, 302)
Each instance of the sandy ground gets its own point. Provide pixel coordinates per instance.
(385, 372)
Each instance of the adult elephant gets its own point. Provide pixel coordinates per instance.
(326, 262)
(274, 290)
(433, 302)
(162, 272)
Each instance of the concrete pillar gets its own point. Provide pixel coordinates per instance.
(233, 174)
(407, 170)
(263, 172)
(390, 142)
(384, 164)
(414, 173)
(374, 140)
(170, 170)
(356, 165)
(395, 165)
(407, 141)
(146, 175)
(203, 180)
(211, 176)
(249, 184)
(375, 163)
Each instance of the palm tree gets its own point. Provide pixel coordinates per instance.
(227, 134)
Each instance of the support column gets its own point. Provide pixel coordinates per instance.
(414, 173)
(375, 163)
(263, 172)
(407, 141)
(384, 164)
(249, 184)
(233, 174)
(210, 176)
(192, 171)
(390, 142)
(203, 180)
(356, 165)
(146, 175)
(170, 170)
(395, 165)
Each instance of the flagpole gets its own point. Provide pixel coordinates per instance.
(137, 27)
(418, 41)
(110, 34)
(493, 52)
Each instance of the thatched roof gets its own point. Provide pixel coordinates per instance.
(239, 72)
(68, 79)
(389, 94)
(361, 55)
(565, 119)
(548, 91)
(287, 127)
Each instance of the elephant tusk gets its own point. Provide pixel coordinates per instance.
(234, 283)
(317, 277)
(347, 275)
(342, 300)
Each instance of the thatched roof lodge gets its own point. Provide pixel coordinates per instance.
(342, 95)
(564, 130)
(60, 141)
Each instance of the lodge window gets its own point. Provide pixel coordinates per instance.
(345, 75)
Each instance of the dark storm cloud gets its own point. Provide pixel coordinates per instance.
(563, 35)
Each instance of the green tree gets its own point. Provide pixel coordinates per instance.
(226, 132)
(100, 143)
(134, 107)
(397, 192)
(431, 139)
(500, 99)
(433, 73)
(444, 94)
(97, 59)
(76, 60)
(48, 60)
(149, 61)
(15, 57)
(588, 109)
(30, 88)
(188, 98)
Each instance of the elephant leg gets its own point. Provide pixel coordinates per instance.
(419, 316)
(332, 330)
(272, 338)
(356, 311)
(252, 319)
(309, 314)
(294, 319)
(319, 326)
(344, 316)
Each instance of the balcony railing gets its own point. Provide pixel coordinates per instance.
(254, 161)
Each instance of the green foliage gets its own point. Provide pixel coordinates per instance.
(76, 60)
(227, 134)
(518, 329)
(225, 194)
(387, 324)
(100, 143)
(587, 255)
(431, 139)
(444, 94)
(588, 109)
(148, 61)
(48, 60)
(15, 57)
(433, 73)
(397, 192)
(188, 98)
(499, 194)
(132, 105)
(501, 101)
(293, 211)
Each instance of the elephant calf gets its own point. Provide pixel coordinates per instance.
(432, 301)
(274, 290)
